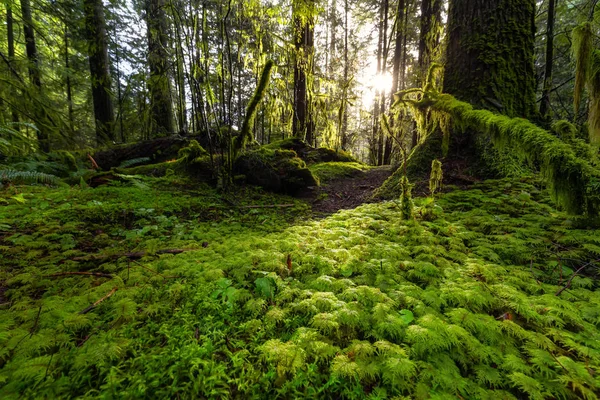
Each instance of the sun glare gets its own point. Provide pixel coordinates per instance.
(376, 83)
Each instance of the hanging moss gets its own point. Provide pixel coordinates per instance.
(582, 51)
(406, 202)
(436, 177)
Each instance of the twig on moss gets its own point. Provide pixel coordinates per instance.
(568, 285)
(94, 305)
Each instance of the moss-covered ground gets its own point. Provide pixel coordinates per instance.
(477, 298)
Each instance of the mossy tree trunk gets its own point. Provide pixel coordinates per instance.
(490, 55)
(97, 39)
(35, 75)
(159, 84)
(303, 124)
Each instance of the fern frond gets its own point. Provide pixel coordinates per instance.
(27, 177)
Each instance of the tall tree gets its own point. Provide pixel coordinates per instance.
(399, 33)
(303, 125)
(95, 28)
(489, 59)
(545, 104)
(35, 75)
(10, 38)
(159, 83)
(429, 35)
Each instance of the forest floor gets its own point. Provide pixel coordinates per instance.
(489, 293)
(346, 191)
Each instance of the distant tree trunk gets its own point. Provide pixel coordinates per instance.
(159, 84)
(374, 145)
(303, 125)
(34, 73)
(383, 101)
(399, 33)
(344, 132)
(429, 36)
(97, 39)
(489, 59)
(10, 38)
(545, 104)
(68, 84)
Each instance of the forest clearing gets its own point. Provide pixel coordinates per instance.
(317, 199)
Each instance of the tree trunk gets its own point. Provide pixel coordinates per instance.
(159, 84)
(429, 36)
(303, 125)
(68, 84)
(399, 33)
(10, 38)
(344, 130)
(97, 39)
(490, 55)
(35, 74)
(545, 104)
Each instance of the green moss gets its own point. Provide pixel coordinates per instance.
(462, 303)
(310, 154)
(329, 171)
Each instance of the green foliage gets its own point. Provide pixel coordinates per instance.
(135, 161)
(461, 304)
(27, 177)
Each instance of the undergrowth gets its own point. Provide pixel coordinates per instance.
(475, 298)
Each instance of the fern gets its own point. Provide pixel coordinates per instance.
(134, 161)
(27, 177)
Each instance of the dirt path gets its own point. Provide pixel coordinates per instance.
(347, 193)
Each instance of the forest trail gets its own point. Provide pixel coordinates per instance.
(347, 192)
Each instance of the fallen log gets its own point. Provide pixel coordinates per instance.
(158, 150)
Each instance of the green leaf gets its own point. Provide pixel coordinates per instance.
(407, 316)
(266, 287)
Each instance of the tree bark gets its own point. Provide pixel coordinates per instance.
(35, 74)
(97, 39)
(399, 33)
(303, 125)
(10, 38)
(159, 84)
(429, 36)
(68, 84)
(490, 55)
(545, 104)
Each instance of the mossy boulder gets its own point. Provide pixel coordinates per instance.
(309, 154)
(277, 170)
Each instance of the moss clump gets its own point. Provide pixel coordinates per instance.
(329, 171)
(192, 151)
(406, 202)
(436, 177)
(564, 129)
(276, 170)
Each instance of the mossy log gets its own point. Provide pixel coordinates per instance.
(573, 180)
(158, 150)
(309, 154)
(275, 170)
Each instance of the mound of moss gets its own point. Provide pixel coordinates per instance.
(280, 171)
(328, 171)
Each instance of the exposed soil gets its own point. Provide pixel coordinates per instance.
(347, 192)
